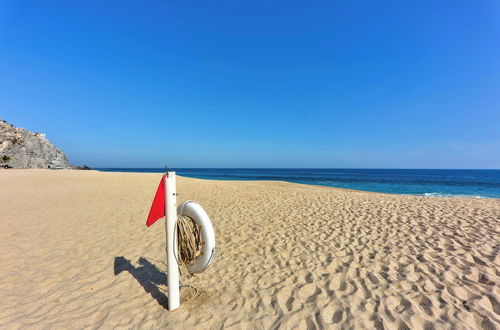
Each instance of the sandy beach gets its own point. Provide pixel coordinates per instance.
(75, 253)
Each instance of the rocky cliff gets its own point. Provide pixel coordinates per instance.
(20, 148)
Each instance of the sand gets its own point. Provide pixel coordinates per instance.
(75, 253)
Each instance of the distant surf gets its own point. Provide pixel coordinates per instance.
(424, 182)
(436, 194)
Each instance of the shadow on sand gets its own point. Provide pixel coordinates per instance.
(147, 275)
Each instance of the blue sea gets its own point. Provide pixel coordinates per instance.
(447, 183)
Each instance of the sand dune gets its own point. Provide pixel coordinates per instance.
(75, 253)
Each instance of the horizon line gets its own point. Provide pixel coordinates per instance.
(306, 168)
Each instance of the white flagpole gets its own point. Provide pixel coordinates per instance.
(170, 223)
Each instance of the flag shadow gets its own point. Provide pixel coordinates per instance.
(148, 276)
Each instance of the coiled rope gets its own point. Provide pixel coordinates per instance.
(189, 242)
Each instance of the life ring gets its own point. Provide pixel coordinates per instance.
(200, 217)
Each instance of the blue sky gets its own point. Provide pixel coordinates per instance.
(395, 84)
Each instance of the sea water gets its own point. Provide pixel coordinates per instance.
(427, 182)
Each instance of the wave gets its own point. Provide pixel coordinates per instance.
(437, 194)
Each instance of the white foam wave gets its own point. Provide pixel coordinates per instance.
(437, 194)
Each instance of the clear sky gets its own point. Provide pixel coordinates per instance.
(391, 84)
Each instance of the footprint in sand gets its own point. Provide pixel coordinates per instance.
(332, 314)
(308, 292)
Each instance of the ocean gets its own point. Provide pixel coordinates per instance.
(426, 182)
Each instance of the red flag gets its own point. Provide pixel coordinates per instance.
(158, 207)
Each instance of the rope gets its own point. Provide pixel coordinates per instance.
(189, 241)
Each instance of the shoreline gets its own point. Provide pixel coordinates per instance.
(425, 195)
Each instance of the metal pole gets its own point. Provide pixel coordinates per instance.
(170, 224)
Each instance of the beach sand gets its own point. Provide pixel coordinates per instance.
(75, 253)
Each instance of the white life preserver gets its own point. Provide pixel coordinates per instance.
(200, 217)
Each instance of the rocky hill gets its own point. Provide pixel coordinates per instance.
(20, 148)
